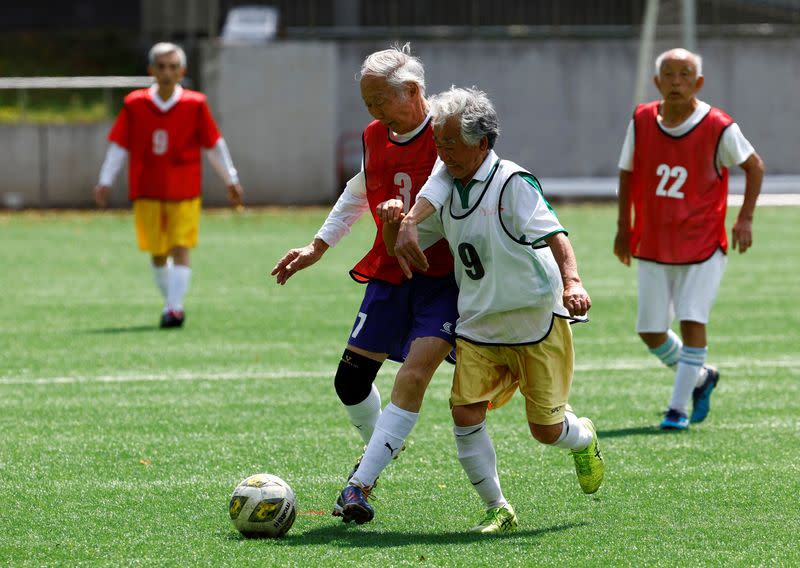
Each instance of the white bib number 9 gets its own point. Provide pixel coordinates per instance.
(160, 141)
(679, 173)
(403, 182)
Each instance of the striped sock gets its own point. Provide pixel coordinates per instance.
(669, 352)
(686, 377)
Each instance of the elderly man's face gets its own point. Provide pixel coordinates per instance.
(386, 103)
(461, 160)
(677, 79)
(167, 69)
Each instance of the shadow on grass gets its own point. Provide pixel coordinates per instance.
(349, 536)
(117, 330)
(640, 431)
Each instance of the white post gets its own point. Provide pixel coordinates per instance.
(689, 24)
(644, 65)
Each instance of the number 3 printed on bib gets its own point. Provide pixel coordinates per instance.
(679, 173)
(403, 182)
(160, 141)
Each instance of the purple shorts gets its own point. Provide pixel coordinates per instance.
(392, 316)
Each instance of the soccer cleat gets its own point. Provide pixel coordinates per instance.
(496, 520)
(701, 396)
(589, 464)
(339, 504)
(355, 506)
(172, 318)
(675, 420)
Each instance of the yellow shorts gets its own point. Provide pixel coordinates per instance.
(163, 225)
(542, 372)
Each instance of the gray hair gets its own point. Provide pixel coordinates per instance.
(164, 48)
(682, 53)
(397, 65)
(474, 110)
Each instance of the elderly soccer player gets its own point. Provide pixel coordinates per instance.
(674, 176)
(518, 289)
(162, 129)
(409, 321)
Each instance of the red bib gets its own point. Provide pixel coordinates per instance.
(397, 170)
(164, 147)
(678, 195)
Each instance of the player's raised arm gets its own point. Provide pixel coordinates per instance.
(742, 232)
(352, 203)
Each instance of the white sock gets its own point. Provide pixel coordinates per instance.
(574, 433)
(687, 377)
(477, 456)
(391, 431)
(669, 352)
(179, 277)
(161, 276)
(365, 414)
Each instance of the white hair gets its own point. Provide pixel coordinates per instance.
(682, 53)
(474, 110)
(164, 48)
(397, 65)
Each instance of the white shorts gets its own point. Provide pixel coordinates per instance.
(685, 291)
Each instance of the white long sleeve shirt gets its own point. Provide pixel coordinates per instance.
(218, 156)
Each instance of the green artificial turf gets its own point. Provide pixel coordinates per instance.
(120, 443)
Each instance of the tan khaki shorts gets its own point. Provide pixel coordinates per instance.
(164, 225)
(542, 372)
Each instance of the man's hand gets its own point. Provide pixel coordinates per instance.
(101, 195)
(407, 248)
(390, 211)
(622, 247)
(576, 300)
(742, 234)
(235, 195)
(298, 259)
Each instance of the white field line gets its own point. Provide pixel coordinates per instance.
(616, 365)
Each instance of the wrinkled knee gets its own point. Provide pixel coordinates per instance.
(470, 414)
(546, 433)
(412, 382)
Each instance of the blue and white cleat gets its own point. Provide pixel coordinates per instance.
(339, 504)
(701, 396)
(355, 506)
(675, 420)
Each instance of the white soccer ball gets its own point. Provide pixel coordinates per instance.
(263, 505)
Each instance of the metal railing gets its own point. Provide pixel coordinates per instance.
(23, 84)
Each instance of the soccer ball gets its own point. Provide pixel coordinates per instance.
(262, 505)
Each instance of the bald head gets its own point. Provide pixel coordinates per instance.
(682, 55)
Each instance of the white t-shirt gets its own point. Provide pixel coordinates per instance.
(508, 289)
(733, 149)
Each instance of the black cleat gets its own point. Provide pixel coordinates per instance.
(172, 318)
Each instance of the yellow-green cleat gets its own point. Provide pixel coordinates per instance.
(589, 463)
(497, 519)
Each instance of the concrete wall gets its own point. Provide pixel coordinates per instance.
(292, 113)
(564, 105)
(276, 105)
(54, 165)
